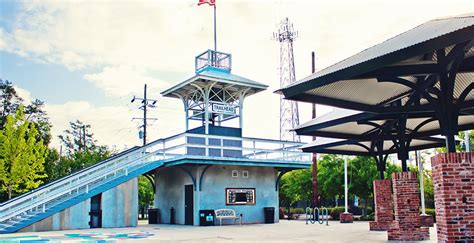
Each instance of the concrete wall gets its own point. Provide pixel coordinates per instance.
(120, 205)
(218, 177)
(119, 209)
(75, 217)
(170, 191)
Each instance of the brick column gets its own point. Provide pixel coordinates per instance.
(346, 218)
(453, 181)
(383, 205)
(406, 226)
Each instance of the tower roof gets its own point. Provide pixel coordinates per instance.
(222, 79)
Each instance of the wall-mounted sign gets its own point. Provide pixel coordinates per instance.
(224, 109)
(240, 196)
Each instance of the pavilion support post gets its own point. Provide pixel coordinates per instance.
(383, 205)
(453, 181)
(380, 160)
(406, 226)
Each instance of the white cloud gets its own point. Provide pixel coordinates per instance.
(132, 41)
(122, 80)
(111, 125)
(24, 94)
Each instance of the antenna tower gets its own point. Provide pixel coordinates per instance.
(289, 117)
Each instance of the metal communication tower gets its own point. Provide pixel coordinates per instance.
(289, 117)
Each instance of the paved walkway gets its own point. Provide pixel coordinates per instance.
(285, 231)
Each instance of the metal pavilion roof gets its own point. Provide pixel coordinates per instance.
(427, 71)
(363, 81)
(365, 148)
(223, 79)
(366, 126)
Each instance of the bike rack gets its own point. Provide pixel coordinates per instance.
(317, 215)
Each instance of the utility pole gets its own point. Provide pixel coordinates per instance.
(145, 103)
(315, 199)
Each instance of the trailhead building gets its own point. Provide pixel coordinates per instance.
(210, 166)
(219, 168)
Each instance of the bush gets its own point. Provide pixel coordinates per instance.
(293, 211)
(334, 212)
(369, 217)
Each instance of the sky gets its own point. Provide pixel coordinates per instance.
(86, 59)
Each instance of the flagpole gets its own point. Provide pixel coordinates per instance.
(215, 38)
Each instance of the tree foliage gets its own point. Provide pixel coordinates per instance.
(145, 192)
(330, 176)
(363, 172)
(21, 155)
(78, 138)
(10, 101)
(77, 156)
(296, 186)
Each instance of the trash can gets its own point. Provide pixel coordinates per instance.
(206, 217)
(172, 213)
(153, 216)
(269, 215)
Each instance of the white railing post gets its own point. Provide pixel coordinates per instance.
(207, 145)
(44, 207)
(164, 148)
(222, 146)
(254, 149)
(87, 188)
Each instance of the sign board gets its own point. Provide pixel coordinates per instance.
(224, 109)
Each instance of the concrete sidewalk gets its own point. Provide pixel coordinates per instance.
(285, 231)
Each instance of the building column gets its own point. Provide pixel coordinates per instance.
(453, 181)
(383, 205)
(406, 226)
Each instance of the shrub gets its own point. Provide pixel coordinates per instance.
(334, 212)
(369, 217)
(293, 210)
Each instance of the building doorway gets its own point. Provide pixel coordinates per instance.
(188, 204)
(96, 211)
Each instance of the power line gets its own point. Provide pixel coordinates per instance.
(145, 104)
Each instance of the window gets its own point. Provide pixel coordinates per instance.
(245, 174)
(235, 173)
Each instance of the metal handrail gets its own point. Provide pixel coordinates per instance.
(91, 177)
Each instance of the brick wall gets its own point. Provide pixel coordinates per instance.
(383, 205)
(406, 226)
(453, 180)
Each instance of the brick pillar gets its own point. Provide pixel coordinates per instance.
(383, 205)
(453, 181)
(406, 226)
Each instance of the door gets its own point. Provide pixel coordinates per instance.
(188, 205)
(96, 212)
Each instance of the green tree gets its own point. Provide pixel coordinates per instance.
(296, 186)
(9, 103)
(145, 193)
(78, 155)
(78, 138)
(21, 155)
(330, 176)
(363, 172)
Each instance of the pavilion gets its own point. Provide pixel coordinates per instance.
(422, 75)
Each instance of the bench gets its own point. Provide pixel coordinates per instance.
(227, 214)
